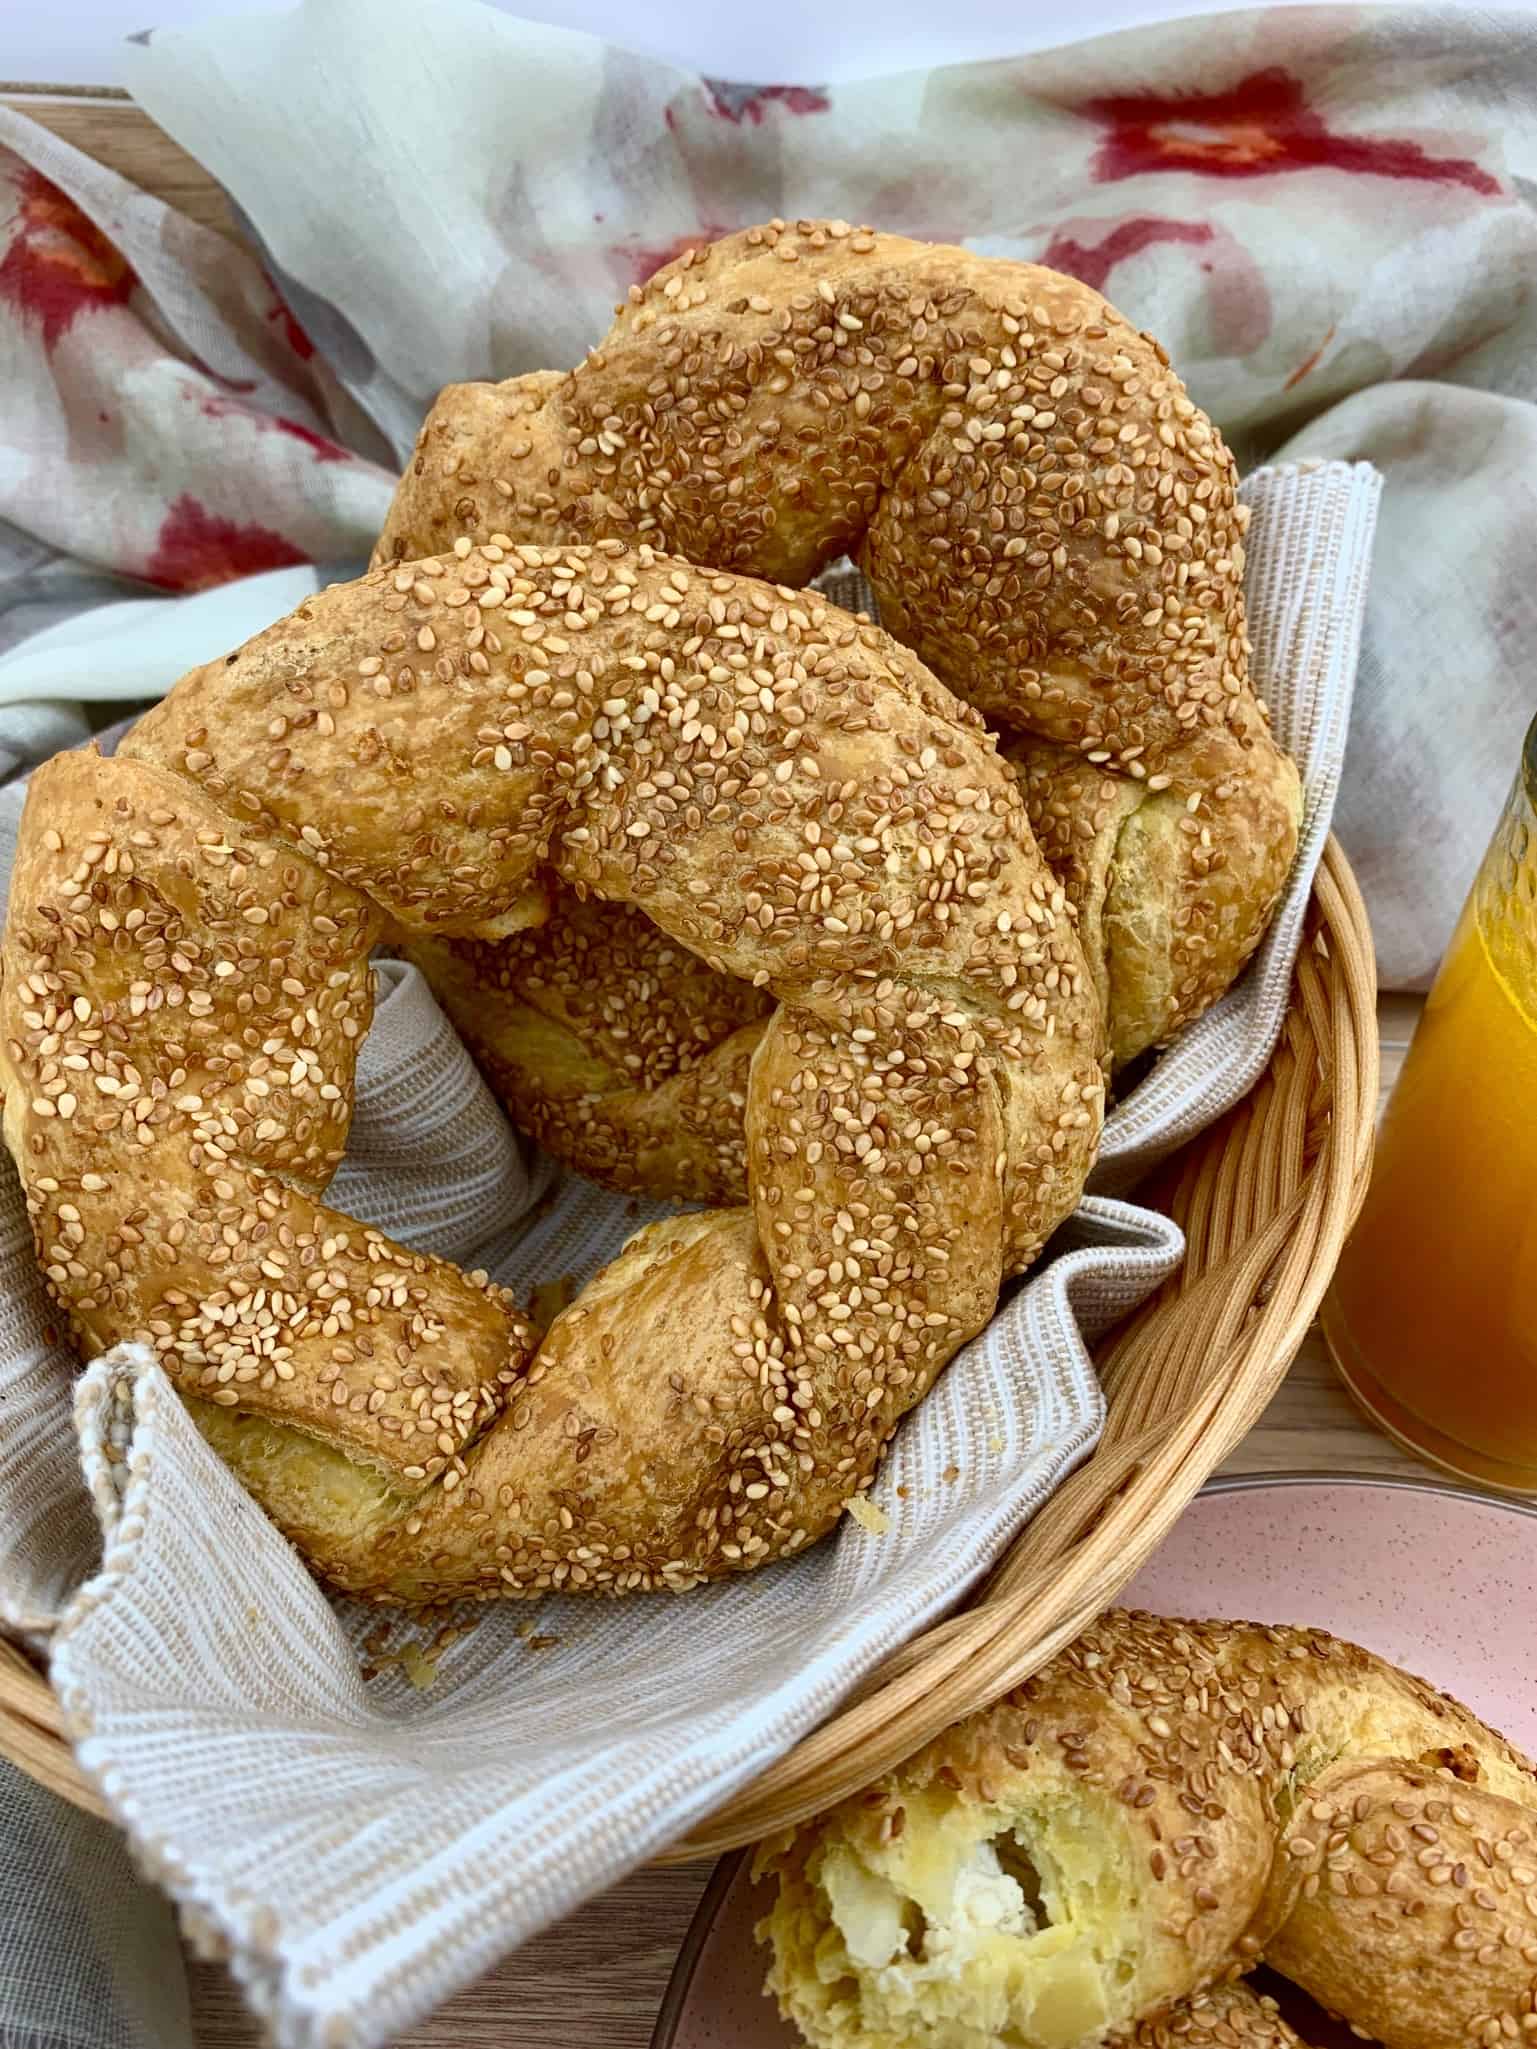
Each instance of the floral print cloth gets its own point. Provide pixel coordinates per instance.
(1325, 214)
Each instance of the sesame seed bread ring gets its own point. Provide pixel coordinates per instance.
(789, 795)
(611, 1044)
(1162, 1806)
(1046, 518)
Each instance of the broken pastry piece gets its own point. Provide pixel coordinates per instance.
(1164, 1804)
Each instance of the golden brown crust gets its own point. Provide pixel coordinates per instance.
(182, 1003)
(1137, 1823)
(1415, 1913)
(1227, 2016)
(611, 1044)
(1135, 866)
(1140, 867)
(1077, 813)
(1046, 518)
(790, 796)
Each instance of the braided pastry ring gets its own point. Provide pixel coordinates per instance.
(1163, 1806)
(1046, 517)
(791, 796)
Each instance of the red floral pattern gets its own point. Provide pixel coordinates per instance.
(190, 432)
(1092, 263)
(1237, 302)
(738, 103)
(282, 318)
(58, 265)
(197, 549)
(1253, 129)
(322, 448)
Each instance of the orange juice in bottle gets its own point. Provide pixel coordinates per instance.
(1432, 1317)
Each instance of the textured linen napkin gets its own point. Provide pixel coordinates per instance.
(89, 1957)
(362, 1843)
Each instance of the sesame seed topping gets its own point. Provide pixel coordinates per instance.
(808, 814)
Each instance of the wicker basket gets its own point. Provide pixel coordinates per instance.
(1265, 1198)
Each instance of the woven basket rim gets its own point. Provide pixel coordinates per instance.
(1266, 1198)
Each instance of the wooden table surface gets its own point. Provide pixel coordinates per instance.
(596, 1979)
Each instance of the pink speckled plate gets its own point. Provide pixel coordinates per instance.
(1437, 1579)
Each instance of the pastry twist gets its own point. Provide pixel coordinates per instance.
(1164, 1805)
(611, 1044)
(791, 797)
(1047, 520)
